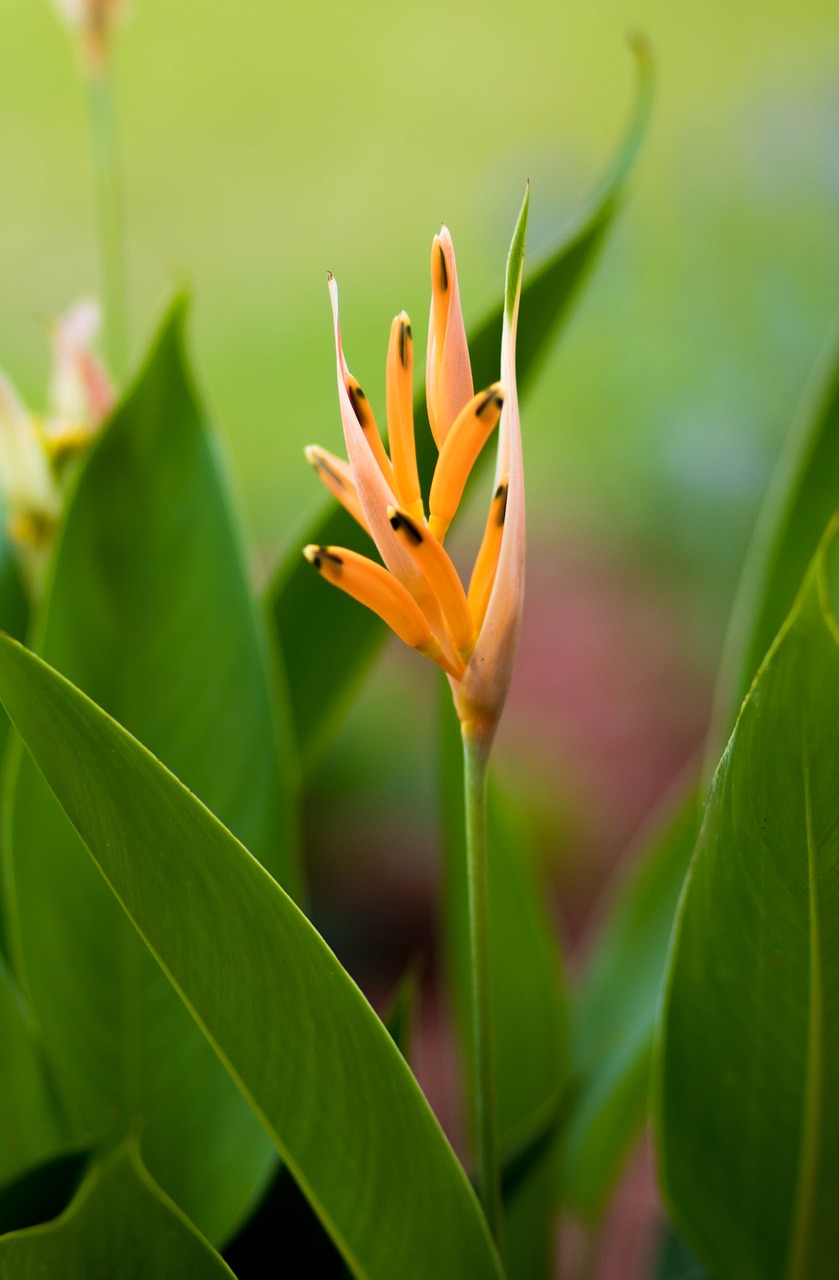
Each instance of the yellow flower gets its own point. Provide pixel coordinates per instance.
(470, 632)
(32, 447)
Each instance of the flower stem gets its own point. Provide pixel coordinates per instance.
(483, 1060)
(106, 166)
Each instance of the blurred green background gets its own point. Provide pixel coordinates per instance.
(264, 143)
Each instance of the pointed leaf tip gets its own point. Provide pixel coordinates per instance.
(515, 258)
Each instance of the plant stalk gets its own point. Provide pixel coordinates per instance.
(109, 200)
(483, 1060)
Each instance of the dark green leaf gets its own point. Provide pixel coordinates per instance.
(149, 611)
(322, 686)
(41, 1193)
(747, 1105)
(528, 1003)
(294, 1031)
(399, 1018)
(119, 1224)
(614, 1013)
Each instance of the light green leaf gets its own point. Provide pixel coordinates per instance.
(30, 1123)
(119, 1224)
(747, 1097)
(614, 1013)
(148, 610)
(294, 1031)
(528, 1001)
(321, 687)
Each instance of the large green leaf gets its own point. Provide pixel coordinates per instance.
(747, 1108)
(119, 1224)
(30, 1121)
(619, 994)
(304, 1046)
(614, 1013)
(321, 687)
(148, 610)
(528, 1003)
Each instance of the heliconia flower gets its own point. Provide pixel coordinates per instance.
(94, 21)
(32, 446)
(471, 633)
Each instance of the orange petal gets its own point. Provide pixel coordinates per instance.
(441, 575)
(400, 414)
(486, 564)
(481, 694)
(448, 372)
(378, 590)
(335, 475)
(470, 432)
(376, 495)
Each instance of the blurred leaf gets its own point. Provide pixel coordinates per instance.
(149, 611)
(528, 1002)
(802, 498)
(119, 1224)
(747, 1097)
(30, 1129)
(675, 1260)
(620, 994)
(294, 1031)
(614, 1013)
(400, 1016)
(14, 616)
(321, 688)
(42, 1192)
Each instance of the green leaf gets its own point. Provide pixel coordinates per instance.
(620, 994)
(614, 1013)
(747, 1097)
(294, 1031)
(42, 1192)
(119, 1224)
(802, 498)
(528, 1002)
(30, 1126)
(675, 1260)
(148, 610)
(321, 687)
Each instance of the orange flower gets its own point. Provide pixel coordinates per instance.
(470, 632)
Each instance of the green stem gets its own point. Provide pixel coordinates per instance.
(106, 166)
(483, 1060)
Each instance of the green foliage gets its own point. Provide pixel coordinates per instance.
(30, 1127)
(614, 1013)
(317, 1066)
(748, 1081)
(148, 609)
(119, 1224)
(41, 1192)
(320, 687)
(616, 1007)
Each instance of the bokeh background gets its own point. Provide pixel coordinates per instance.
(264, 143)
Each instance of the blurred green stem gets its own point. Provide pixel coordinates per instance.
(483, 1059)
(106, 166)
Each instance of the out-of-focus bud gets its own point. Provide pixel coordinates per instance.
(94, 21)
